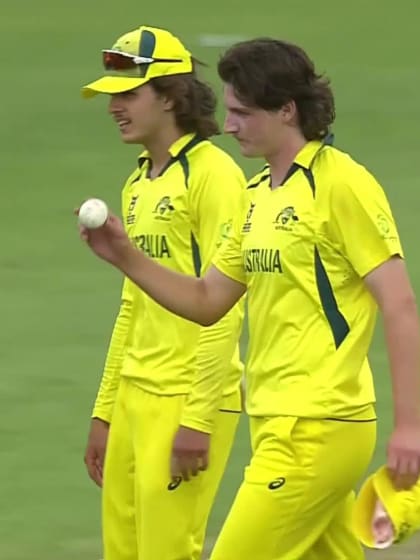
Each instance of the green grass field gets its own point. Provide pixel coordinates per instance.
(58, 302)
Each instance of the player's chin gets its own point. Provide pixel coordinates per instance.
(130, 136)
(248, 150)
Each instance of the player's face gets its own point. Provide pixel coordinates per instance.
(139, 114)
(258, 132)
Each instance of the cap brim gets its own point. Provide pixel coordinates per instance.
(111, 85)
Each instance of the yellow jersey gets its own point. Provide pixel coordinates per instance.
(178, 219)
(302, 249)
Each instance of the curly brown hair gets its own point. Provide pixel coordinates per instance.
(194, 102)
(268, 73)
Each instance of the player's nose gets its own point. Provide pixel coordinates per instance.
(114, 104)
(230, 126)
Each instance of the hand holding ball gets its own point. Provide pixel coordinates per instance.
(111, 242)
(93, 213)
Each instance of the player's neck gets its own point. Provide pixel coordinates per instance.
(282, 159)
(158, 148)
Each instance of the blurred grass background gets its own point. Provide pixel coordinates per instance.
(58, 303)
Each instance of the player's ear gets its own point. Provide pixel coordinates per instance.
(168, 103)
(289, 111)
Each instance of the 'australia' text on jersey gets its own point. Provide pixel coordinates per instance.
(262, 260)
(155, 246)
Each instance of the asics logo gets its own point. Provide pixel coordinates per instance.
(173, 485)
(277, 483)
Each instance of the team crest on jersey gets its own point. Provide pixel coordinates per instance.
(164, 209)
(286, 218)
(247, 225)
(131, 217)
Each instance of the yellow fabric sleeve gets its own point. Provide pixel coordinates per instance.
(214, 198)
(108, 387)
(228, 258)
(362, 222)
(214, 362)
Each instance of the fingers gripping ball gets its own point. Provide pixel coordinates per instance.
(93, 213)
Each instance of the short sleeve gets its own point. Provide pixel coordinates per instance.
(362, 222)
(229, 258)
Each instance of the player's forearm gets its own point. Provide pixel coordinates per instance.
(403, 341)
(185, 296)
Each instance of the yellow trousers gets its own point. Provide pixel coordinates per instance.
(296, 498)
(144, 516)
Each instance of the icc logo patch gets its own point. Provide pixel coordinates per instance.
(247, 225)
(131, 217)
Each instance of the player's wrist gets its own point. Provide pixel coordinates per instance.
(129, 259)
(407, 409)
(197, 425)
(407, 419)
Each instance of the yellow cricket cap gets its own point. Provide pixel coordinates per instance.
(402, 507)
(137, 57)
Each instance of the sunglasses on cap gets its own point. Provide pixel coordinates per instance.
(116, 60)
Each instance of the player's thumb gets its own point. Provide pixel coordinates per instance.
(111, 220)
(204, 461)
(110, 226)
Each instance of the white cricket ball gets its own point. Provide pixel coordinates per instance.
(93, 213)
